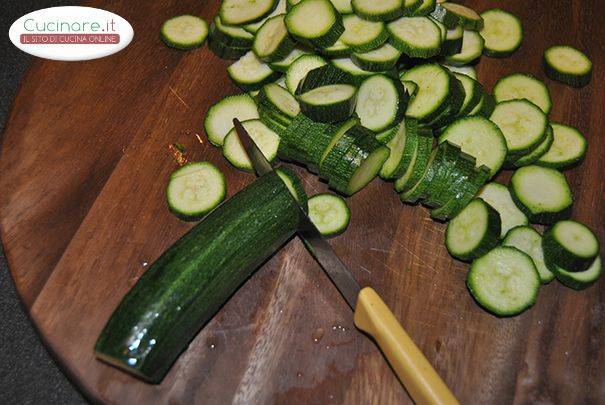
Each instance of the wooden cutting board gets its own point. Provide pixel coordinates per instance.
(83, 172)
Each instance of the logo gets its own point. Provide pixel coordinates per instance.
(71, 33)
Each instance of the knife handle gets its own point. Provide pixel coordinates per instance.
(413, 369)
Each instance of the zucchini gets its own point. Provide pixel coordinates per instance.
(535, 154)
(417, 37)
(433, 96)
(277, 102)
(230, 36)
(192, 280)
(578, 280)
(567, 65)
(402, 146)
(348, 66)
(343, 6)
(410, 7)
(338, 50)
(504, 281)
(570, 245)
(542, 193)
(253, 27)
(272, 41)
(305, 141)
(419, 161)
(325, 75)
(518, 86)
(265, 138)
(250, 73)
(499, 197)
(378, 10)
(184, 32)
(299, 69)
(457, 14)
(465, 70)
(452, 42)
(472, 48)
(425, 8)
(381, 102)
(335, 102)
(529, 241)
(473, 93)
(473, 232)
(480, 138)
(339, 143)
(502, 33)
(315, 22)
(239, 12)
(194, 190)
(380, 59)
(522, 123)
(219, 119)
(361, 35)
(568, 148)
(283, 64)
(329, 213)
(224, 51)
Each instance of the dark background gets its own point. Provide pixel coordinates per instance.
(28, 375)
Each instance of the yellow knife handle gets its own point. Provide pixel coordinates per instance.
(413, 369)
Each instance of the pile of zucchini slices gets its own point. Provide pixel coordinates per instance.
(354, 89)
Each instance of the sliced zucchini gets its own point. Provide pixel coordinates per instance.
(299, 69)
(473, 93)
(397, 146)
(219, 119)
(472, 48)
(452, 43)
(194, 190)
(570, 245)
(434, 83)
(315, 22)
(239, 12)
(335, 102)
(336, 148)
(505, 281)
(567, 149)
(283, 64)
(323, 76)
(452, 107)
(417, 37)
(230, 36)
(410, 7)
(421, 157)
(294, 185)
(272, 41)
(522, 123)
(457, 14)
(250, 73)
(253, 28)
(425, 8)
(381, 102)
(184, 32)
(343, 6)
(567, 65)
(387, 135)
(361, 35)
(499, 197)
(502, 32)
(535, 154)
(473, 232)
(465, 70)
(541, 193)
(305, 140)
(578, 280)
(278, 103)
(224, 51)
(518, 86)
(348, 66)
(265, 138)
(378, 10)
(378, 60)
(529, 241)
(480, 138)
(329, 213)
(410, 87)
(338, 50)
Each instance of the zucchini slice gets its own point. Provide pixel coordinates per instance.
(529, 241)
(277, 107)
(410, 7)
(533, 156)
(519, 86)
(272, 41)
(567, 149)
(299, 69)
(329, 213)
(338, 50)
(347, 65)
(335, 102)
(398, 160)
(219, 119)
(224, 51)
(305, 141)
(381, 102)
(542, 193)
(253, 28)
(522, 123)
(250, 73)
(194, 190)
(378, 60)
(504, 281)
(230, 36)
(453, 40)
(425, 8)
(465, 70)
(192, 280)
(265, 138)
(472, 48)
(578, 280)
(480, 138)
(343, 6)
(499, 197)
(473, 93)
(434, 84)
(457, 14)
(570, 245)
(473, 232)
(417, 37)
(184, 32)
(502, 32)
(361, 35)
(283, 64)
(421, 157)
(239, 12)
(315, 22)
(336, 148)
(378, 10)
(567, 65)
(324, 76)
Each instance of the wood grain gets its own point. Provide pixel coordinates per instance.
(83, 170)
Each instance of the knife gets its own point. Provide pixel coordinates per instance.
(371, 314)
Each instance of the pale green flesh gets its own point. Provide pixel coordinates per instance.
(219, 119)
(368, 170)
(467, 228)
(522, 123)
(419, 31)
(568, 60)
(327, 95)
(359, 31)
(237, 12)
(501, 31)
(433, 87)
(377, 103)
(341, 131)
(311, 18)
(185, 29)
(498, 196)
(377, 6)
(529, 241)
(576, 238)
(472, 46)
(197, 187)
(586, 276)
(299, 69)
(568, 144)
(282, 99)
(519, 86)
(249, 69)
(270, 36)
(541, 189)
(396, 146)
(266, 140)
(461, 10)
(329, 213)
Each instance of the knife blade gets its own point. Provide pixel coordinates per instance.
(371, 314)
(320, 248)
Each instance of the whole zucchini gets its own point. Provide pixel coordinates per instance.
(188, 284)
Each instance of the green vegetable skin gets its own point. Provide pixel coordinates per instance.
(188, 284)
